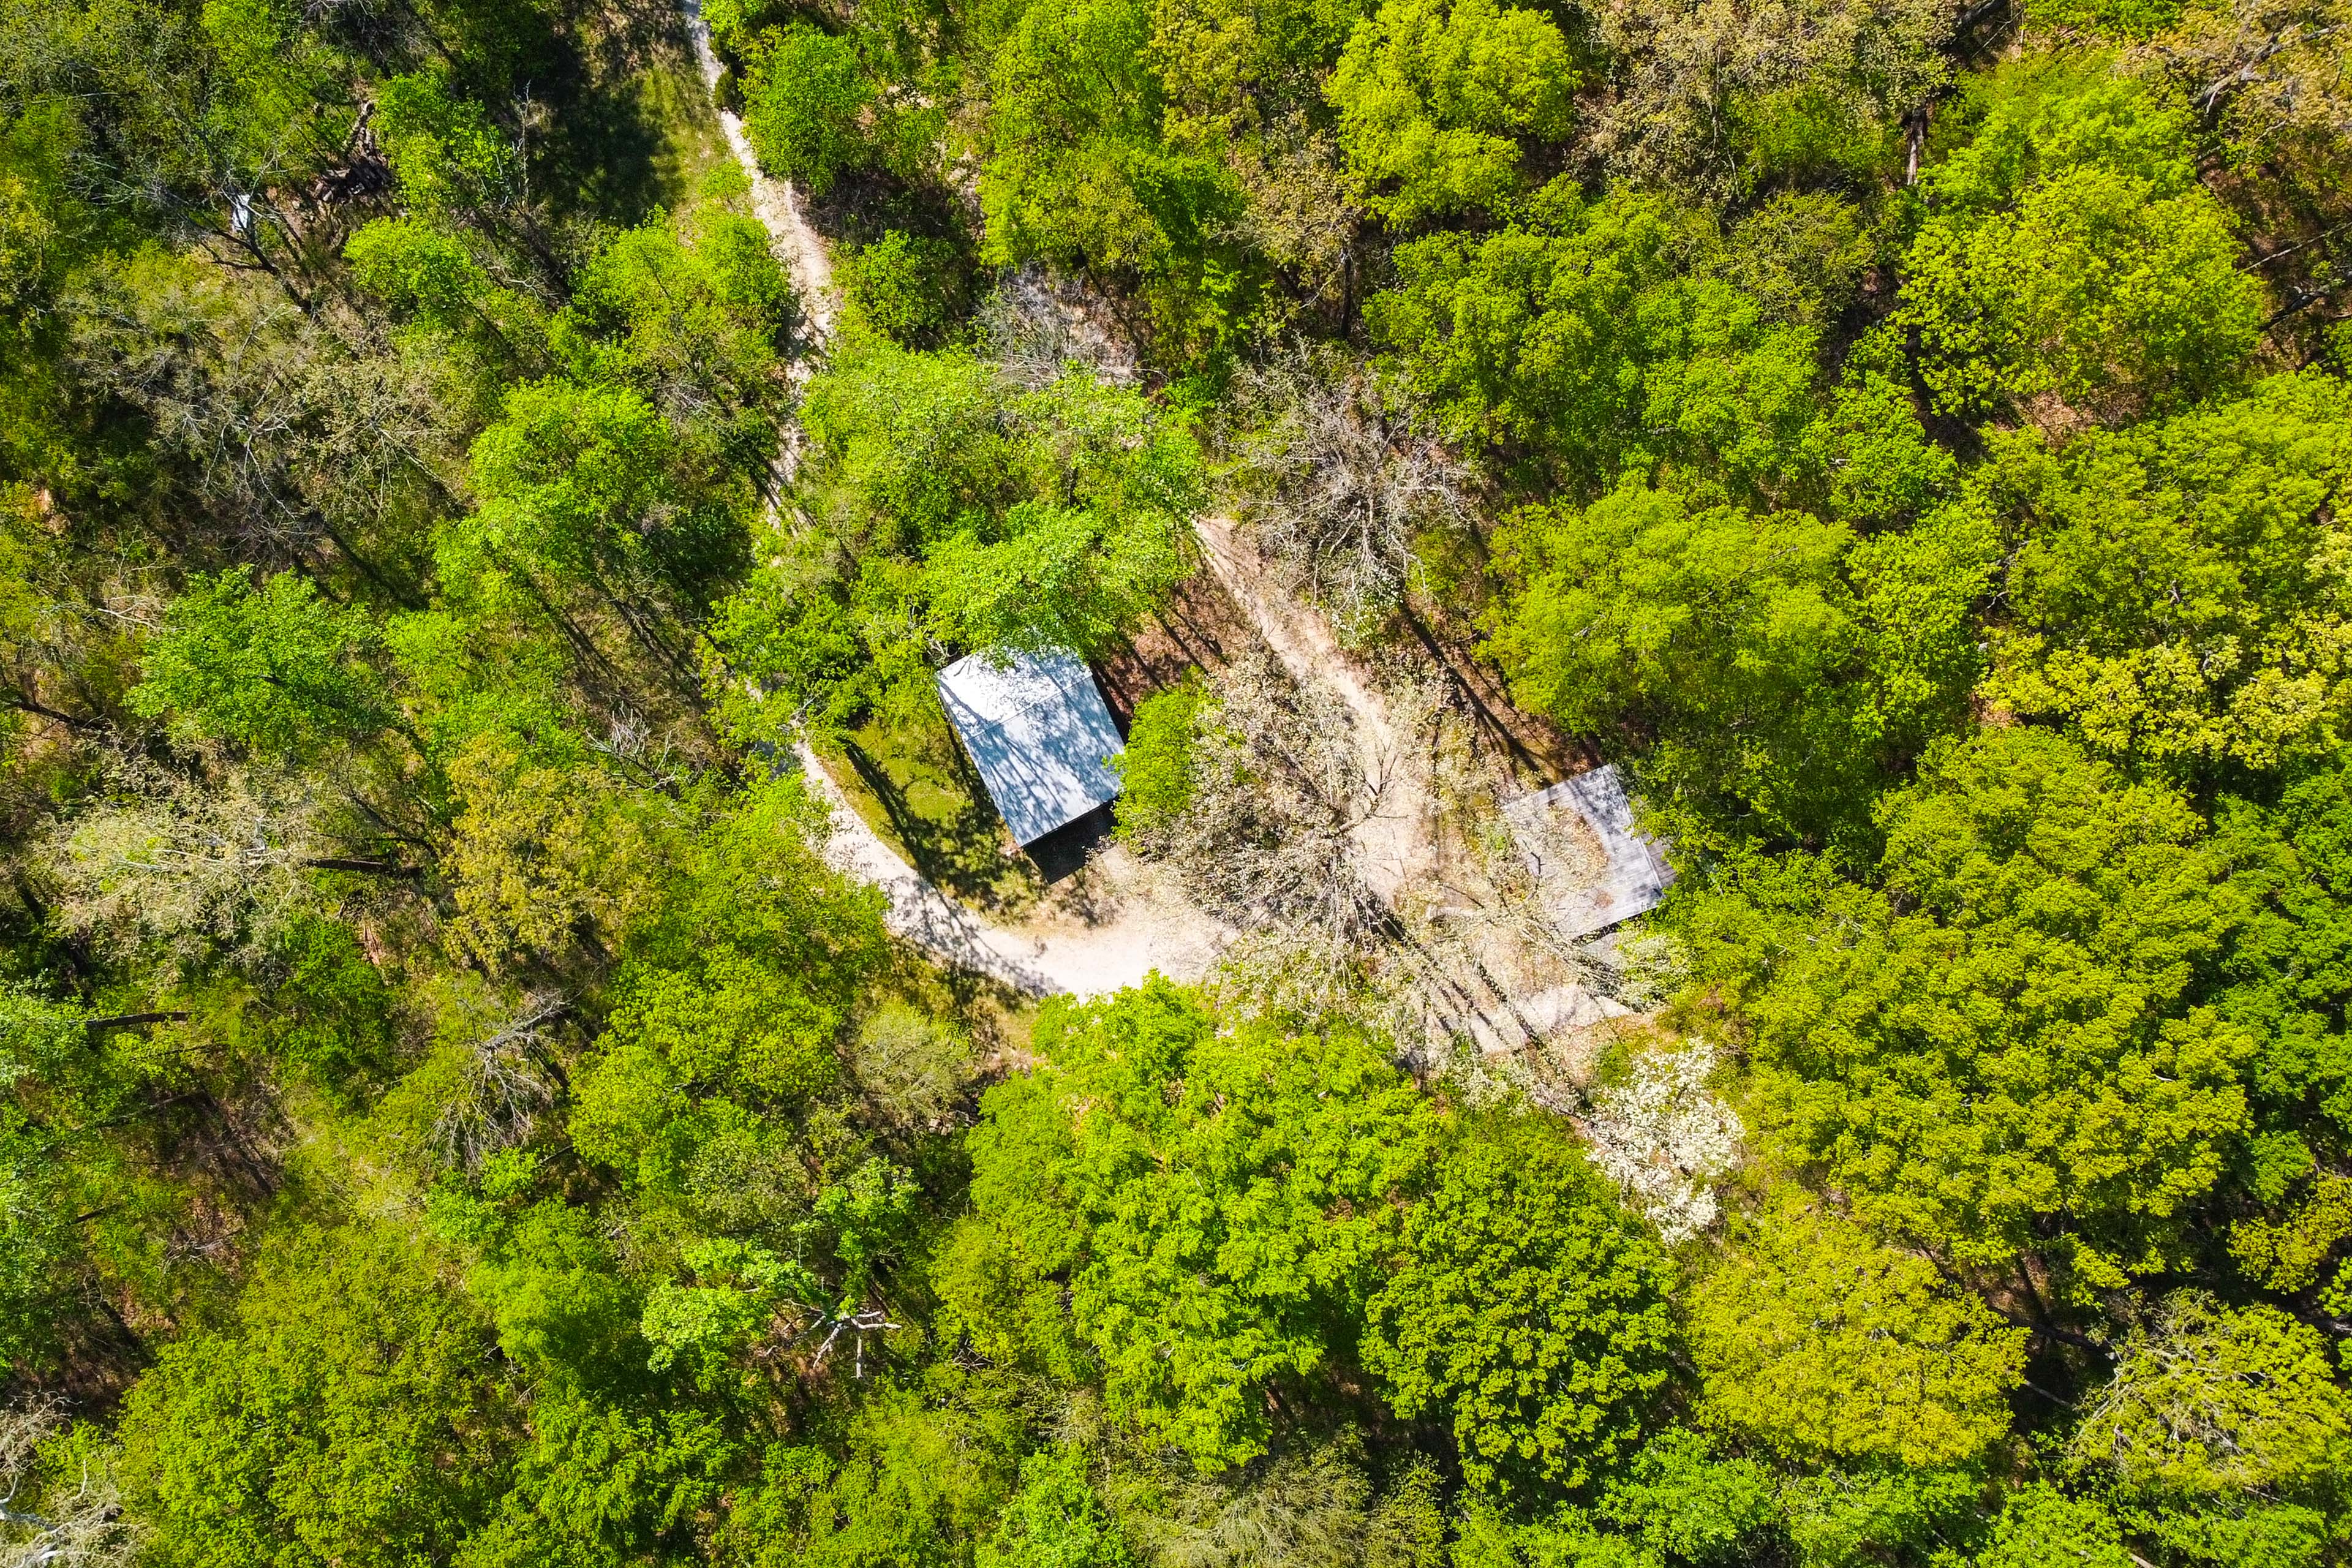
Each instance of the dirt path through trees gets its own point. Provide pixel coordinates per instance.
(774, 202)
(1129, 933)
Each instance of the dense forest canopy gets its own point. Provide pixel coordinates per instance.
(487, 487)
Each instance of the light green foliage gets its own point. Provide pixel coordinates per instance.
(912, 1068)
(579, 489)
(2242, 1535)
(283, 85)
(2119, 19)
(728, 1019)
(1883, 469)
(1073, 98)
(1839, 1519)
(332, 1014)
(1691, 1506)
(1056, 1521)
(1155, 771)
(2094, 291)
(1717, 102)
(910, 288)
(858, 1224)
(2073, 257)
(450, 161)
(2177, 591)
(715, 1318)
(1078, 171)
(607, 1481)
(1582, 342)
(550, 1281)
(544, 858)
(805, 107)
(1433, 99)
(1802, 254)
(426, 274)
(2294, 1253)
(2040, 1526)
(2047, 115)
(1220, 1199)
(1775, 659)
(1524, 1307)
(959, 510)
(57, 1087)
(696, 314)
(2212, 1399)
(1819, 1342)
(1910, 442)
(1487, 1538)
(351, 1414)
(275, 670)
(1001, 1301)
(2001, 1041)
(918, 1482)
(1310, 1506)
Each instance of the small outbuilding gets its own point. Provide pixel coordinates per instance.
(1592, 868)
(1038, 731)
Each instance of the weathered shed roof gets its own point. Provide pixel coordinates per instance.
(1630, 876)
(1038, 731)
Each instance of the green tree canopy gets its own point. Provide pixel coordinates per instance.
(1581, 343)
(2175, 590)
(1770, 658)
(2211, 1399)
(1219, 1199)
(1432, 99)
(276, 669)
(2073, 257)
(351, 1412)
(1824, 1342)
(959, 509)
(1998, 1041)
(1526, 1308)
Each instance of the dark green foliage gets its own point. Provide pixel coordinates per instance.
(273, 669)
(1526, 1309)
(350, 1413)
(1222, 1212)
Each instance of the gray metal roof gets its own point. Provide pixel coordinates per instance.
(1039, 733)
(1632, 876)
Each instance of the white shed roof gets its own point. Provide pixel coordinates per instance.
(1039, 733)
(1632, 875)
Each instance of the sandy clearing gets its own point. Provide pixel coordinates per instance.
(1124, 936)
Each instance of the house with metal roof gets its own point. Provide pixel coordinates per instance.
(1039, 733)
